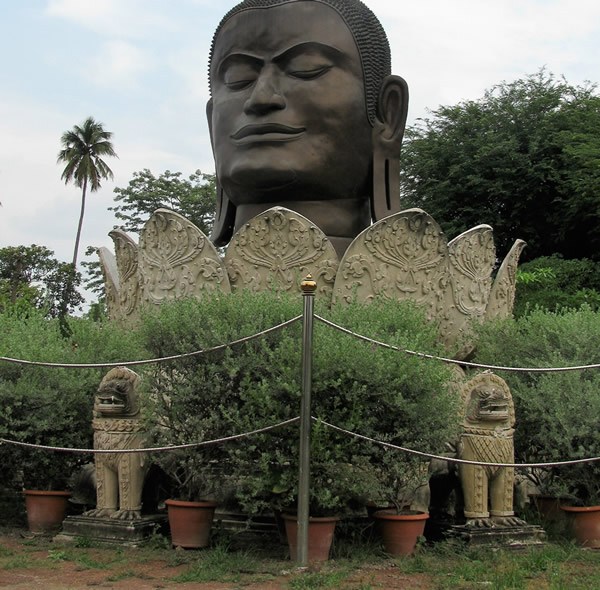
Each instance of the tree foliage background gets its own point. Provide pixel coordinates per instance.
(31, 277)
(192, 197)
(525, 159)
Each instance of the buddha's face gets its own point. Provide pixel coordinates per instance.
(289, 120)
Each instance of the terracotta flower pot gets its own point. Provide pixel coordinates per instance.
(45, 509)
(320, 536)
(399, 531)
(190, 523)
(585, 524)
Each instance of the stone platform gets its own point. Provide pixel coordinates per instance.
(112, 531)
(510, 537)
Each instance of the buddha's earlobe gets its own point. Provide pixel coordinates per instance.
(387, 141)
(222, 229)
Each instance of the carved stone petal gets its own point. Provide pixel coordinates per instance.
(403, 256)
(126, 252)
(177, 260)
(108, 265)
(502, 297)
(276, 250)
(472, 256)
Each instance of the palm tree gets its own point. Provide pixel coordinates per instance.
(83, 149)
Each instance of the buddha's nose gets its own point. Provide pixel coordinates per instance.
(266, 94)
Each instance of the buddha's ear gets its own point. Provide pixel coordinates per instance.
(222, 229)
(387, 141)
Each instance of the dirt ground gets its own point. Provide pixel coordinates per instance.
(34, 563)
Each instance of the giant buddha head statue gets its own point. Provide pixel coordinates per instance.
(304, 113)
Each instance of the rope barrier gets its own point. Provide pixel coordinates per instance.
(454, 459)
(152, 449)
(287, 423)
(293, 420)
(155, 360)
(455, 361)
(285, 325)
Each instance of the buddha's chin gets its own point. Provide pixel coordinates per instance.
(271, 184)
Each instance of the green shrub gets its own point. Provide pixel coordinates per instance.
(52, 406)
(379, 393)
(553, 283)
(558, 412)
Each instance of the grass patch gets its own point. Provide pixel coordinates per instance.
(6, 552)
(308, 581)
(221, 565)
(16, 562)
(355, 565)
(554, 567)
(87, 562)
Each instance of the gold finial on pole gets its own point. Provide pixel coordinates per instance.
(308, 285)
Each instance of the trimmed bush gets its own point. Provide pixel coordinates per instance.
(379, 393)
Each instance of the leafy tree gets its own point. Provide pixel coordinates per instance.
(83, 149)
(30, 276)
(194, 198)
(553, 283)
(94, 282)
(525, 159)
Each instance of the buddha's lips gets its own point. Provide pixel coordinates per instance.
(268, 130)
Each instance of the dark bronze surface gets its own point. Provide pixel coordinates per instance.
(290, 117)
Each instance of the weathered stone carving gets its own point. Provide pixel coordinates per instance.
(401, 257)
(489, 419)
(117, 425)
(110, 273)
(406, 256)
(126, 251)
(502, 297)
(472, 256)
(276, 250)
(177, 260)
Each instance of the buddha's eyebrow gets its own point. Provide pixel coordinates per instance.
(328, 51)
(233, 58)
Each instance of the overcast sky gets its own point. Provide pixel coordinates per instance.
(139, 67)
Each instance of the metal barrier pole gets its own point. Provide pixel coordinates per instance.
(308, 293)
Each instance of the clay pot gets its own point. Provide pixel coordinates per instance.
(320, 536)
(585, 524)
(190, 523)
(45, 509)
(400, 531)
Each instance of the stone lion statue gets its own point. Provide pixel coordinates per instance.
(489, 419)
(116, 423)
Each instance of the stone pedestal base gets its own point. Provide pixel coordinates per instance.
(515, 537)
(111, 531)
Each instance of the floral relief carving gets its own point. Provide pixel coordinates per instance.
(404, 256)
(502, 296)
(276, 250)
(400, 257)
(126, 252)
(472, 256)
(177, 260)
